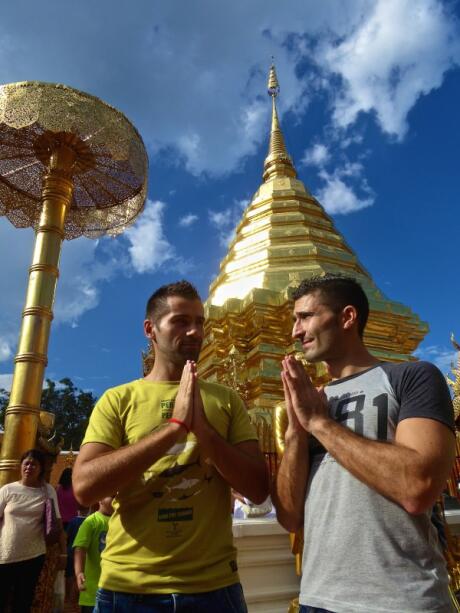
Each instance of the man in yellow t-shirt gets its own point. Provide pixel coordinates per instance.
(172, 446)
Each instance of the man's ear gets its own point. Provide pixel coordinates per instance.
(349, 317)
(149, 329)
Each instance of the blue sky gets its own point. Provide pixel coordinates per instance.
(369, 109)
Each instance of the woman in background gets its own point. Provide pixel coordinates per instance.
(22, 540)
(66, 500)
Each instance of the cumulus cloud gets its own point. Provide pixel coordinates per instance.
(317, 155)
(188, 220)
(345, 190)
(172, 78)
(85, 266)
(444, 358)
(148, 246)
(5, 349)
(225, 221)
(399, 51)
(167, 72)
(5, 381)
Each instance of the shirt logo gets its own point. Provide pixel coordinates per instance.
(174, 515)
(166, 407)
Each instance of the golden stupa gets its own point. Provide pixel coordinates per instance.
(284, 236)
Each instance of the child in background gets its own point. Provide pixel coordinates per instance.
(71, 591)
(88, 545)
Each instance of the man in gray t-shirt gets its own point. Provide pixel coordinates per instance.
(365, 459)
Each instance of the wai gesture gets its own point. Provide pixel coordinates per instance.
(306, 406)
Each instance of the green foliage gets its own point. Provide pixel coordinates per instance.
(70, 405)
(4, 397)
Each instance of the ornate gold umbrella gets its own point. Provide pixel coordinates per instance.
(70, 166)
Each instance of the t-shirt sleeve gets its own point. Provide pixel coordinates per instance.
(84, 534)
(53, 496)
(105, 424)
(241, 428)
(422, 391)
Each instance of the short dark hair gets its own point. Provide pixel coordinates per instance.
(338, 291)
(38, 455)
(157, 305)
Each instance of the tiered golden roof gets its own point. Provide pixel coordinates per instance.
(284, 236)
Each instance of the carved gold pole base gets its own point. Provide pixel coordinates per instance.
(22, 414)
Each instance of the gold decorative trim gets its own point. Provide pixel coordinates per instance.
(53, 270)
(36, 358)
(22, 409)
(41, 311)
(53, 229)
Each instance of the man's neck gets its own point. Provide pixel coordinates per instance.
(164, 372)
(354, 362)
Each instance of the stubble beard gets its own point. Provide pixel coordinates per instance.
(189, 353)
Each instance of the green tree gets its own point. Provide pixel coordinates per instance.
(4, 397)
(70, 405)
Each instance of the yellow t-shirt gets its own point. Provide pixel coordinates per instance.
(171, 530)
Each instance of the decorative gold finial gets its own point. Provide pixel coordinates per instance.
(278, 162)
(273, 85)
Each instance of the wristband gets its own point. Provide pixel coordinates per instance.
(173, 420)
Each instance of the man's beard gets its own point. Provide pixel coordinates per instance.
(190, 352)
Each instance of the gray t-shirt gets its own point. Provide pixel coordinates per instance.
(363, 552)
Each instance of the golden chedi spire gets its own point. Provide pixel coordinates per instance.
(284, 236)
(278, 162)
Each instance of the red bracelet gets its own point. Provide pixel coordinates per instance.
(173, 420)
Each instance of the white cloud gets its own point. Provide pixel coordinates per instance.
(186, 97)
(226, 221)
(221, 218)
(85, 266)
(399, 51)
(5, 381)
(191, 76)
(442, 357)
(188, 220)
(149, 248)
(338, 196)
(5, 349)
(317, 155)
(340, 187)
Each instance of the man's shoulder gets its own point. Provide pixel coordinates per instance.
(90, 521)
(101, 520)
(216, 389)
(399, 371)
(123, 389)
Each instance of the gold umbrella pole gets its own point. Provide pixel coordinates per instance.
(95, 183)
(22, 414)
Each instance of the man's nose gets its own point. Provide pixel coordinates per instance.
(297, 330)
(195, 330)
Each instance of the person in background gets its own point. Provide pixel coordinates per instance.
(68, 504)
(71, 590)
(88, 546)
(22, 540)
(243, 508)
